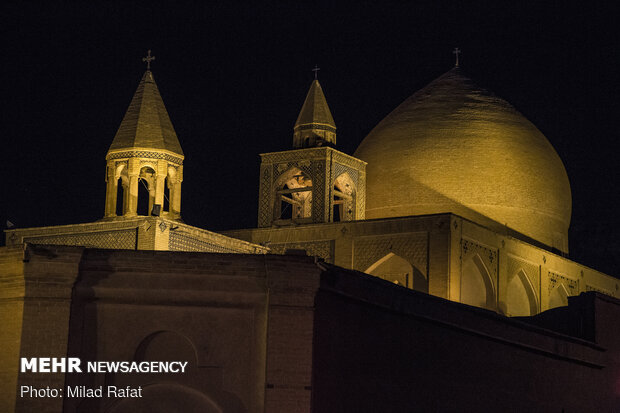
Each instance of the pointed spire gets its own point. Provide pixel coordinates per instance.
(146, 124)
(315, 125)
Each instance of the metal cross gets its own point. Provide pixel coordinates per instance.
(148, 59)
(456, 52)
(316, 71)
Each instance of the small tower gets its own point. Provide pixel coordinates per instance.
(313, 183)
(145, 157)
(315, 125)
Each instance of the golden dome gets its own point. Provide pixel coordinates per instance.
(454, 147)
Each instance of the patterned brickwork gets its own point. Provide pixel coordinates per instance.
(320, 204)
(361, 196)
(265, 210)
(146, 154)
(600, 290)
(340, 169)
(316, 126)
(105, 239)
(349, 161)
(323, 165)
(184, 242)
(291, 156)
(532, 271)
(488, 255)
(411, 246)
(323, 249)
(555, 279)
(470, 247)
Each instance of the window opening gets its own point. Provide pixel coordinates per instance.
(166, 205)
(120, 197)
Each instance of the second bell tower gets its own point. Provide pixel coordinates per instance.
(313, 183)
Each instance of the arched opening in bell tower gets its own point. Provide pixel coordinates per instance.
(343, 203)
(293, 196)
(121, 193)
(145, 185)
(120, 197)
(166, 205)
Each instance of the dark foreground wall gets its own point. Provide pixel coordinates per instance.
(244, 323)
(285, 334)
(380, 348)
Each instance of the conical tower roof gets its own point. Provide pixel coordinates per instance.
(315, 110)
(146, 124)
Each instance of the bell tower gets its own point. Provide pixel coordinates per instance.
(145, 161)
(313, 183)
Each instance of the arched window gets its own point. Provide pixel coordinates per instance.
(293, 197)
(145, 185)
(343, 208)
(520, 296)
(122, 190)
(166, 205)
(120, 197)
(476, 285)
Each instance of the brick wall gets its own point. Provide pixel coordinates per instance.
(292, 283)
(380, 347)
(49, 273)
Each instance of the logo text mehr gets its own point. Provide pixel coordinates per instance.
(51, 365)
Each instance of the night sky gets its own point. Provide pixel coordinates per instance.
(233, 79)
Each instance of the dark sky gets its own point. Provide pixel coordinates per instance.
(233, 79)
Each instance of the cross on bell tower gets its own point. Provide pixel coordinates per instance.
(148, 59)
(316, 71)
(456, 52)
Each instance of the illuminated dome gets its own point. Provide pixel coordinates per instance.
(454, 147)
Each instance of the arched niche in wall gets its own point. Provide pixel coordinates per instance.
(398, 270)
(558, 297)
(476, 284)
(198, 389)
(520, 296)
(166, 346)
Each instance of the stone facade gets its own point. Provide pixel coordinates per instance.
(138, 233)
(451, 257)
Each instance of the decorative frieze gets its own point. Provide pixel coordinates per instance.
(556, 279)
(413, 247)
(146, 154)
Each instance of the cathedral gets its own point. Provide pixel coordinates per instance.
(441, 244)
(454, 194)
